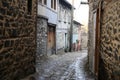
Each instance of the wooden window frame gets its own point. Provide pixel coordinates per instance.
(44, 2)
(53, 4)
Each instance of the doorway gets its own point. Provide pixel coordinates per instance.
(51, 40)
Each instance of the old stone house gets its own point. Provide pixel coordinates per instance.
(84, 38)
(17, 38)
(46, 27)
(76, 36)
(104, 39)
(63, 25)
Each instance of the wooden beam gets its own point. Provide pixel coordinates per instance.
(107, 0)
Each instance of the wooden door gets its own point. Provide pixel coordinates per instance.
(51, 39)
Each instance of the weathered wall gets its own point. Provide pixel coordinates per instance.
(17, 39)
(41, 37)
(84, 40)
(63, 26)
(84, 37)
(46, 10)
(91, 36)
(110, 42)
(76, 28)
(76, 36)
(109, 62)
(60, 40)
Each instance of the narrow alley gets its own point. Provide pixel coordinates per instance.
(68, 66)
(59, 39)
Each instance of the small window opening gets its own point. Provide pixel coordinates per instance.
(55, 4)
(29, 6)
(51, 3)
(40, 1)
(45, 2)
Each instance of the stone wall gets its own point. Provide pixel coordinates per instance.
(41, 36)
(110, 42)
(17, 38)
(91, 33)
(109, 62)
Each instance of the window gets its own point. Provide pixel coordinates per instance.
(53, 4)
(29, 6)
(43, 2)
(40, 1)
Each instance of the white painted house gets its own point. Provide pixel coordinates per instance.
(63, 25)
(48, 8)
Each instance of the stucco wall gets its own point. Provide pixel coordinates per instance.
(17, 38)
(63, 27)
(46, 10)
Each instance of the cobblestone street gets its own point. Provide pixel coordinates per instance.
(68, 66)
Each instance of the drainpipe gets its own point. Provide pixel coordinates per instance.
(71, 27)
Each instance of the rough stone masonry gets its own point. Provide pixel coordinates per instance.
(17, 38)
(41, 37)
(109, 63)
(110, 41)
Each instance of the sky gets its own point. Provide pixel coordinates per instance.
(81, 12)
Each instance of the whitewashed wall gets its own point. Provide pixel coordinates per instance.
(63, 26)
(46, 10)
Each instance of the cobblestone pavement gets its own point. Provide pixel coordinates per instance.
(68, 66)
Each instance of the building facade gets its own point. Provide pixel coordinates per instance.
(63, 27)
(104, 39)
(84, 38)
(46, 29)
(76, 36)
(17, 38)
